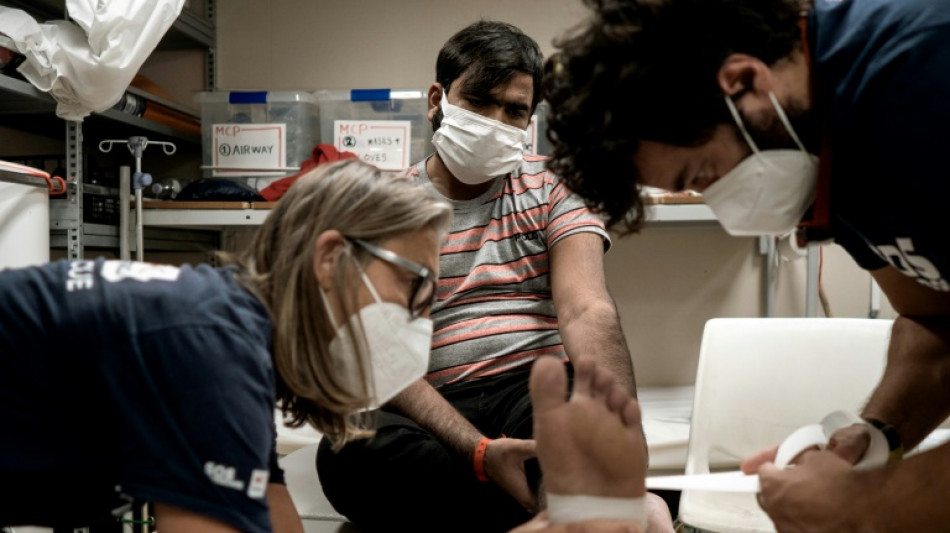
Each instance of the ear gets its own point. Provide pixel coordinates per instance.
(742, 73)
(326, 255)
(435, 98)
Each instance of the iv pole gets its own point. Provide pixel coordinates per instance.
(140, 180)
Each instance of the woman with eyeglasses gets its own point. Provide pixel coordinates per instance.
(127, 382)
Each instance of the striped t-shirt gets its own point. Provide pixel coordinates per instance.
(494, 310)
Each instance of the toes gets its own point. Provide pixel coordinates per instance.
(584, 370)
(630, 414)
(603, 382)
(617, 399)
(548, 384)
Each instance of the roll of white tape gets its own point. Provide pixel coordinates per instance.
(803, 438)
(818, 435)
(800, 440)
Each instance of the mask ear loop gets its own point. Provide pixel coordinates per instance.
(735, 115)
(785, 122)
(369, 284)
(326, 305)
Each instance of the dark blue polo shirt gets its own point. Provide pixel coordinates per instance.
(882, 69)
(127, 381)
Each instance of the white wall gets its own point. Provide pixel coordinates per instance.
(363, 44)
(18, 144)
(667, 280)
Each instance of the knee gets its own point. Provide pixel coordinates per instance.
(659, 519)
(391, 452)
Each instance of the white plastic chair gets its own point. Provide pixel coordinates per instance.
(758, 380)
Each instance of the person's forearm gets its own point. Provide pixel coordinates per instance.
(283, 514)
(909, 496)
(912, 395)
(595, 331)
(426, 407)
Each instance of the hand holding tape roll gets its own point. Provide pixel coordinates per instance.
(803, 438)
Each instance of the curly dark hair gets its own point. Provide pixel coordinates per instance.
(646, 70)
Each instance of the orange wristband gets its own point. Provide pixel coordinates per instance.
(479, 459)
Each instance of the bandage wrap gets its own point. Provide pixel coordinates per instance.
(575, 508)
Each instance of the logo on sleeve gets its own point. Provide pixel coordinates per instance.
(257, 488)
(115, 271)
(80, 276)
(226, 476)
(904, 258)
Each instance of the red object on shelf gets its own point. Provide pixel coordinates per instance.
(322, 154)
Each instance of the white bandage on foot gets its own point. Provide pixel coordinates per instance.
(575, 508)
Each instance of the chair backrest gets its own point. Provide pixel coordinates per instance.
(759, 379)
(300, 475)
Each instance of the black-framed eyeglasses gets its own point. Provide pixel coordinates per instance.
(423, 286)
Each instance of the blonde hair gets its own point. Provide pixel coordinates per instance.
(360, 202)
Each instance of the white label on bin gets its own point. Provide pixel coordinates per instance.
(239, 148)
(384, 143)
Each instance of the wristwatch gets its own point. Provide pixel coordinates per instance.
(895, 446)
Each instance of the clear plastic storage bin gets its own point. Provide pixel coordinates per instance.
(257, 133)
(386, 128)
(538, 142)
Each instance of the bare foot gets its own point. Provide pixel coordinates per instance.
(591, 444)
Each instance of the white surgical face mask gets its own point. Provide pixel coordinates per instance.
(474, 148)
(398, 346)
(768, 192)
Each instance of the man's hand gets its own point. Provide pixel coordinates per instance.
(821, 494)
(849, 443)
(504, 465)
(753, 463)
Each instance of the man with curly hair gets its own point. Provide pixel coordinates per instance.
(811, 119)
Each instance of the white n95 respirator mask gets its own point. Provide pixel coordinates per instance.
(474, 148)
(396, 344)
(768, 192)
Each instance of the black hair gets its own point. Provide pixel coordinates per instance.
(488, 53)
(646, 70)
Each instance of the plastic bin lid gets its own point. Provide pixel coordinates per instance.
(368, 95)
(253, 97)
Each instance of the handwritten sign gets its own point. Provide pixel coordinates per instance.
(242, 149)
(384, 143)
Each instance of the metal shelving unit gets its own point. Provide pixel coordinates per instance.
(681, 213)
(210, 219)
(24, 108)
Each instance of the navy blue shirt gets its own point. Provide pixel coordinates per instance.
(122, 381)
(882, 71)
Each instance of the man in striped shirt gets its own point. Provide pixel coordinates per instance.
(521, 276)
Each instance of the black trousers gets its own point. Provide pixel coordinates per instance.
(405, 479)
